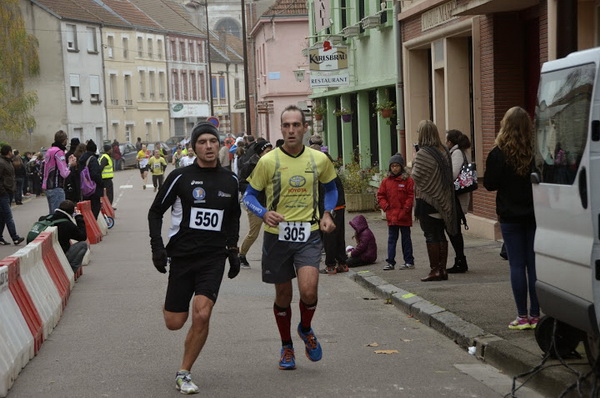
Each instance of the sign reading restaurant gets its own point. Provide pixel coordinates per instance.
(328, 57)
(329, 79)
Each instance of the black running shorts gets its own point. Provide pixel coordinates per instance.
(195, 275)
(280, 260)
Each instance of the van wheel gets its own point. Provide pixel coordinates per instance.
(592, 348)
(562, 342)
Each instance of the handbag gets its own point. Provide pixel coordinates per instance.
(466, 181)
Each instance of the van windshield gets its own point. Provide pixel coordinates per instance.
(561, 122)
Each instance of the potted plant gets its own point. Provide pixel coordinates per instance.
(386, 108)
(318, 111)
(344, 113)
(359, 194)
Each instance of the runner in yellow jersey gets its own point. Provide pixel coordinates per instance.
(290, 177)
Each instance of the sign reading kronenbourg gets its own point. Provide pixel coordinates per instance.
(328, 57)
(329, 79)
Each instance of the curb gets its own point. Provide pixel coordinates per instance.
(490, 348)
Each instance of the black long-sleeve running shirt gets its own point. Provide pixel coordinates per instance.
(205, 211)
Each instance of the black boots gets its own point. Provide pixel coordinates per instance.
(438, 257)
(460, 266)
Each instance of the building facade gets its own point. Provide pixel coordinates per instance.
(278, 38)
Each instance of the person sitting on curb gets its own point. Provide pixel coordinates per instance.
(73, 230)
(365, 252)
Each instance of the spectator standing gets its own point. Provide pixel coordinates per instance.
(365, 252)
(224, 157)
(27, 188)
(138, 144)
(71, 229)
(395, 196)
(73, 146)
(20, 174)
(116, 154)
(90, 160)
(108, 172)
(200, 245)
(7, 190)
(436, 202)
(507, 170)
(334, 242)
(157, 165)
(458, 144)
(73, 181)
(292, 242)
(35, 166)
(56, 170)
(254, 221)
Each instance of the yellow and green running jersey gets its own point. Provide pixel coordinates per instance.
(291, 184)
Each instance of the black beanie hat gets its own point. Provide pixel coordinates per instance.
(75, 141)
(397, 158)
(261, 146)
(91, 146)
(204, 128)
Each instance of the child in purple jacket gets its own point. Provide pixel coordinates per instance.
(365, 251)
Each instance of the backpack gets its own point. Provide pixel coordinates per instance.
(41, 226)
(88, 186)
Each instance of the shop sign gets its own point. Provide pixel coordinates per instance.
(329, 79)
(322, 14)
(438, 15)
(328, 57)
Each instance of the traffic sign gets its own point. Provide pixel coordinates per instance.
(213, 120)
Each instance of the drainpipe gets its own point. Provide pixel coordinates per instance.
(400, 127)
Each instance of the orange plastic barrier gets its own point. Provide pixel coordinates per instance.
(54, 266)
(91, 225)
(107, 206)
(24, 301)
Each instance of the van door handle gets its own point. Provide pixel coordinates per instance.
(583, 188)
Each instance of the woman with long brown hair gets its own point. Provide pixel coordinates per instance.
(508, 166)
(435, 204)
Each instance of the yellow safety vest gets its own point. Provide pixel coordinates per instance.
(107, 171)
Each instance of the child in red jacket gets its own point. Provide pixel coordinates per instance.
(395, 196)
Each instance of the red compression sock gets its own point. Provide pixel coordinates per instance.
(306, 314)
(283, 317)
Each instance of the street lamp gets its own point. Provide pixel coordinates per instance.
(195, 4)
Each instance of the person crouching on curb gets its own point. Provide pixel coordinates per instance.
(395, 196)
(74, 229)
(365, 252)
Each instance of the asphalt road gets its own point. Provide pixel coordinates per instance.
(111, 340)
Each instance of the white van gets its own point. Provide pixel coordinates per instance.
(566, 192)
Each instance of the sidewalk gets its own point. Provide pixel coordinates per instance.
(473, 308)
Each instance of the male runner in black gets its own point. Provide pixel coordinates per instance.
(205, 212)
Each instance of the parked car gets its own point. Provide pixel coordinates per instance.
(129, 154)
(163, 145)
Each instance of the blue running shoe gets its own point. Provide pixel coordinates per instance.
(313, 348)
(288, 359)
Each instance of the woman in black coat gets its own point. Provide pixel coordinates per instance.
(95, 174)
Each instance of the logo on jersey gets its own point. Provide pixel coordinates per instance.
(199, 193)
(297, 181)
(223, 194)
(194, 182)
(309, 168)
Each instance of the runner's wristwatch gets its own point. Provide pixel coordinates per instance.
(331, 213)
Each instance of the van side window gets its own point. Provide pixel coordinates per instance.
(562, 122)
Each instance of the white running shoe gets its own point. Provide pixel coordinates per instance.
(184, 383)
(406, 266)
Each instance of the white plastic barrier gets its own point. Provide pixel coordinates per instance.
(39, 284)
(16, 341)
(61, 255)
(102, 224)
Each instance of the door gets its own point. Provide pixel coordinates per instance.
(562, 195)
